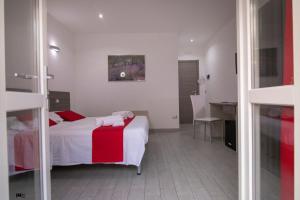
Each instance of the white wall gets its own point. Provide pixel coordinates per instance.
(190, 51)
(95, 96)
(81, 68)
(220, 64)
(61, 64)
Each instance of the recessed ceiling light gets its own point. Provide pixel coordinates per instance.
(100, 16)
(192, 40)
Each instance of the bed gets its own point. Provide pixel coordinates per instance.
(71, 142)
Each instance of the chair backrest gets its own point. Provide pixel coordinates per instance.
(198, 105)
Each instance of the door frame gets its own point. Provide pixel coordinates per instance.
(247, 97)
(10, 101)
(3, 138)
(188, 60)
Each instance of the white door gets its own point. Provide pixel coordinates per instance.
(24, 149)
(269, 99)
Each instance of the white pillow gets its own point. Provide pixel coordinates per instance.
(108, 120)
(124, 114)
(55, 117)
(14, 124)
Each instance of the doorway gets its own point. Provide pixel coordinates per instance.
(188, 72)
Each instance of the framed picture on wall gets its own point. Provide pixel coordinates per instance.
(126, 68)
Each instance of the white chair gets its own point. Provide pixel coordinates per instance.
(198, 105)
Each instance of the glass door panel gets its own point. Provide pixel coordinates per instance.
(268, 99)
(23, 141)
(24, 145)
(274, 152)
(272, 65)
(273, 43)
(21, 45)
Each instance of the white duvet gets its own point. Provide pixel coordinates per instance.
(71, 142)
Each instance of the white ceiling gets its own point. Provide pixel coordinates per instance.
(197, 19)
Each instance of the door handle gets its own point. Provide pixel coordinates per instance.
(25, 76)
(50, 76)
(29, 76)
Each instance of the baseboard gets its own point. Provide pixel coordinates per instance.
(164, 130)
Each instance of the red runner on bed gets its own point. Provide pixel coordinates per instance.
(107, 143)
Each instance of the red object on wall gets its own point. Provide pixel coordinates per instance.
(287, 116)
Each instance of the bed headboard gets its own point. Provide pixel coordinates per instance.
(18, 90)
(141, 113)
(59, 101)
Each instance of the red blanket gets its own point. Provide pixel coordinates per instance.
(107, 144)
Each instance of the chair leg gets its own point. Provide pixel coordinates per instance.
(200, 126)
(194, 124)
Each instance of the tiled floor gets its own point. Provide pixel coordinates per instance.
(175, 166)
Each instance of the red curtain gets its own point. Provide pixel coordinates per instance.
(287, 118)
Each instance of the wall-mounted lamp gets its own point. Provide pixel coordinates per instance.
(54, 48)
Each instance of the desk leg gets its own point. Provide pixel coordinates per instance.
(204, 131)
(210, 131)
(223, 130)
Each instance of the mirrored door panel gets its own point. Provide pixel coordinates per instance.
(21, 45)
(274, 152)
(272, 43)
(23, 133)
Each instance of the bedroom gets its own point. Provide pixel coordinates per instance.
(84, 43)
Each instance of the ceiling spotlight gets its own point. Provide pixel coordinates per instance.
(192, 40)
(100, 16)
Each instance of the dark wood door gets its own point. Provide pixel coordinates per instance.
(188, 84)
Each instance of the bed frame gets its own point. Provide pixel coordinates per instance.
(60, 101)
